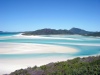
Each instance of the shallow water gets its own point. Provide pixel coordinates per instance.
(85, 45)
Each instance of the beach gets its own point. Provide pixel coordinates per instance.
(11, 64)
(21, 36)
(22, 51)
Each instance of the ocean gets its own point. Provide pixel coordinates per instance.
(85, 45)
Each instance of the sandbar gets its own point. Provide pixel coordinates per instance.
(24, 48)
(8, 65)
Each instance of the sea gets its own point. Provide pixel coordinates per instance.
(86, 45)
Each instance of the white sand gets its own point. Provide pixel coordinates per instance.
(10, 65)
(23, 48)
(20, 36)
(43, 37)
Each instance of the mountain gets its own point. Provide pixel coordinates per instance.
(76, 66)
(48, 31)
(79, 31)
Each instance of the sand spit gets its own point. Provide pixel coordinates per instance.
(20, 36)
(24, 48)
(8, 65)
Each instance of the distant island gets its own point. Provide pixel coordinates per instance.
(1, 31)
(72, 31)
(48, 31)
(76, 66)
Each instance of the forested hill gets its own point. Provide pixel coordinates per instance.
(79, 31)
(94, 34)
(77, 66)
(48, 32)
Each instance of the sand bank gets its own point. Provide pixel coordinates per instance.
(8, 65)
(44, 37)
(20, 36)
(24, 48)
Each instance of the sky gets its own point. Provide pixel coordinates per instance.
(30, 15)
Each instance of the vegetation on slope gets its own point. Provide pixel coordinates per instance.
(94, 34)
(77, 66)
(79, 31)
(47, 32)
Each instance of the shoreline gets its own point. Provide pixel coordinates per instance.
(20, 36)
(10, 65)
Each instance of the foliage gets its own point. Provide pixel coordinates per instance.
(47, 32)
(94, 34)
(72, 31)
(79, 31)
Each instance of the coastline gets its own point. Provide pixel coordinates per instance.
(10, 64)
(21, 36)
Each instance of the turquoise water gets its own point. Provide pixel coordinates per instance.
(85, 45)
(7, 34)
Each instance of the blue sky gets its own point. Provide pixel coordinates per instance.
(28, 15)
